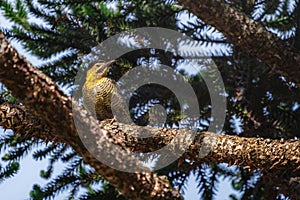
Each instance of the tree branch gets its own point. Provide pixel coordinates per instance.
(38, 93)
(253, 153)
(269, 156)
(248, 34)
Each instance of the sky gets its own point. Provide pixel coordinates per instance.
(18, 187)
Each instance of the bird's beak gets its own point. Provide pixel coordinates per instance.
(107, 64)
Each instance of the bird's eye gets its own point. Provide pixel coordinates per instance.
(98, 71)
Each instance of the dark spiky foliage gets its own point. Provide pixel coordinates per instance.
(260, 102)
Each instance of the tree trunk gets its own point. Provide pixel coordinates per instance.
(250, 35)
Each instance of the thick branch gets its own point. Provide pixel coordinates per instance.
(38, 93)
(281, 157)
(22, 122)
(254, 153)
(249, 35)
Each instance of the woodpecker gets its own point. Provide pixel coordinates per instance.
(97, 94)
(97, 90)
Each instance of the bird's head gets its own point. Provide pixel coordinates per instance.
(98, 71)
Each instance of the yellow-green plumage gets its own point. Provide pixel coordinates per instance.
(97, 91)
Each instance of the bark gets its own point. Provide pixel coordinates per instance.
(38, 93)
(274, 158)
(253, 153)
(248, 34)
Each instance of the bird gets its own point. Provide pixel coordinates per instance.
(97, 94)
